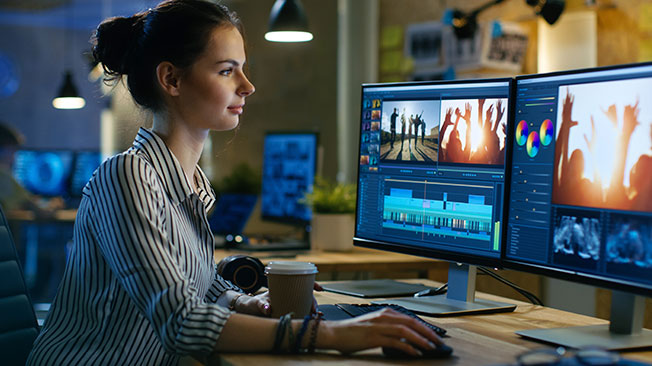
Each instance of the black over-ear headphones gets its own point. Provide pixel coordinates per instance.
(244, 271)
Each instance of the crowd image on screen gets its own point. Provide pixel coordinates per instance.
(592, 117)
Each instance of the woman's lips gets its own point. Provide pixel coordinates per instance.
(237, 109)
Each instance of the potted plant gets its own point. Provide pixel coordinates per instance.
(333, 206)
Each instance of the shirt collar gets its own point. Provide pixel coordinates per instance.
(169, 170)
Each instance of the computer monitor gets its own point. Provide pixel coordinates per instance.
(85, 164)
(431, 180)
(289, 166)
(581, 192)
(44, 172)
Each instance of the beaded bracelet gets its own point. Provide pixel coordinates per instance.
(280, 332)
(302, 332)
(313, 334)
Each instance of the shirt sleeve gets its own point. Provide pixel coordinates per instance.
(132, 237)
(219, 286)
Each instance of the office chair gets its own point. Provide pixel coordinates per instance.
(18, 324)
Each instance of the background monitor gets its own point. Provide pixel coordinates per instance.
(44, 172)
(431, 180)
(85, 164)
(581, 191)
(289, 166)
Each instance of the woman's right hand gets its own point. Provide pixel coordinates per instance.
(383, 328)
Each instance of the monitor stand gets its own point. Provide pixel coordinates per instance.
(625, 331)
(459, 299)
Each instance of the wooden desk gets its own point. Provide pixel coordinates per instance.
(358, 260)
(476, 339)
(67, 215)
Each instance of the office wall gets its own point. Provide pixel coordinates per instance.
(38, 54)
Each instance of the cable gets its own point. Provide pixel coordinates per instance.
(530, 296)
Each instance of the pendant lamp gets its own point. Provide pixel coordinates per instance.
(68, 97)
(288, 22)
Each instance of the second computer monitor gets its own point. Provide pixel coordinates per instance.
(431, 178)
(581, 191)
(289, 166)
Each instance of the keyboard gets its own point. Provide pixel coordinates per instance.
(361, 309)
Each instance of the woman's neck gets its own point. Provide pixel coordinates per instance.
(186, 143)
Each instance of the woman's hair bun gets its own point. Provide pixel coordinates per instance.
(113, 43)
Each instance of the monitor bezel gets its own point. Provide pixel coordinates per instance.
(561, 273)
(288, 220)
(436, 253)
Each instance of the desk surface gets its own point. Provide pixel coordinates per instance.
(67, 215)
(476, 339)
(356, 260)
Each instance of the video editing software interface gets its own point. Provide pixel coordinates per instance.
(581, 197)
(432, 166)
(289, 165)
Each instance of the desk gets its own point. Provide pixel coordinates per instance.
(357, 260)
(476, 339)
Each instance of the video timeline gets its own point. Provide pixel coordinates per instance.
(426, 210)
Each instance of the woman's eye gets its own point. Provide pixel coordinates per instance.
(226, 72)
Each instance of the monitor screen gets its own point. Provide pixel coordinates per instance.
(289, 165)
(431, 175)
(85, 164)
(581, 185)
(42, 172)
(581, 192)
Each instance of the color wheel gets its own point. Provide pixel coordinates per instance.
(545, 132)
(521, 133)
(533, 144)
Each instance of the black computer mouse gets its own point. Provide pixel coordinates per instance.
(442, 351)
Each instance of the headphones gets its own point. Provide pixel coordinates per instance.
(244, 271)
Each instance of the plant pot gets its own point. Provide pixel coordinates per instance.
(332, 232)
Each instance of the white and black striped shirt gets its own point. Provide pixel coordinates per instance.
(140, 286)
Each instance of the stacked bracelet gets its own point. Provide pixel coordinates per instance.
(297, 344)
(313, 334)
(280, 332)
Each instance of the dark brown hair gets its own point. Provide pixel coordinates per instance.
(176, 31)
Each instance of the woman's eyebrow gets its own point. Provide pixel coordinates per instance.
(229, 61)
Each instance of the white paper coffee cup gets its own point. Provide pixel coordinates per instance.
(290, 287)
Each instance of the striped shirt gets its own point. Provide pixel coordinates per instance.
(140, 286)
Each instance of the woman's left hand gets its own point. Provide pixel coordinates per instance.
(314, 308)
(254, 305)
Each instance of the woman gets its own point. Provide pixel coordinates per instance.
(140, 287)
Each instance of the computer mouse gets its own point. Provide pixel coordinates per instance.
(441, 351)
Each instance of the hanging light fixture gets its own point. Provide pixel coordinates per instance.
(550, 10)
(288, 22)
(68, 97)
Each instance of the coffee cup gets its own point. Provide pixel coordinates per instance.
(290, 287)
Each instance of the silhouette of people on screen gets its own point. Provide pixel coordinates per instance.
(392, 127)
(572, 187)
(402, 127)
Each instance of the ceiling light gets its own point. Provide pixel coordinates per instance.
(465, 24)
(68, 97)
(288, 23)
(550, 10)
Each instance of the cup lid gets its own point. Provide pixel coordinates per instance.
(290, 268)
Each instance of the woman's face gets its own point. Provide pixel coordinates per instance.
(212, 92)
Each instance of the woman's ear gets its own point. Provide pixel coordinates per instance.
(168, 77)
